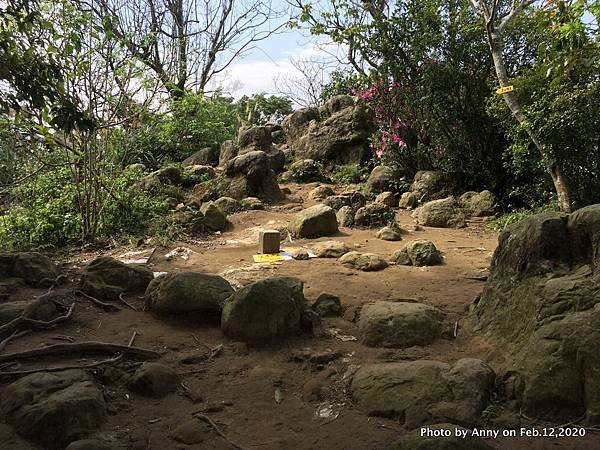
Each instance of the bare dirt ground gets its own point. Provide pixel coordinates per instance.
(238, 386)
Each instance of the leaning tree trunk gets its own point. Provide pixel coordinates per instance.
(561, 184)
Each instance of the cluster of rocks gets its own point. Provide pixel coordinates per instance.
(541, 302)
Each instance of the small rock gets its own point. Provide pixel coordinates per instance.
(227, 205)
(389, 234)
(300, 254)
(353, 199)
(106, 278)
(345, 216)
(367, 262)
(408, 200)
(479, 204)
(192, 431)
(321, 192)
(214, 218)
(154, 380)
(418, 253)
(252, 204)
(444, 213)
(327, 305)
(381, 179)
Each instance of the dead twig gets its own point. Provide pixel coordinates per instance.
(101, 304)
(131, 341)
(214, 352)
(80, 347)
(215, 427)
(61, 368)
(126, 303)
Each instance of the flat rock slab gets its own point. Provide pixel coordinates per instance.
(367, 262)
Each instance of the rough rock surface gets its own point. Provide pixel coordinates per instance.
(203, 157)
(381, 179)
(54, 408)
(265, 309)
(336, 134)
(424, 391)
(30, 267)
(389, 234)
(167, 175)
(154, 380)
(318, 220)
(106, 278)
(214, 219)
(251, 176)
(330, 249)
(443, 213)
(431, 185)
(479, 204)
(345, 216)
(387, 198)
(227, 204)
(399, 324)
(327, 305)
(353, 199)
(418, 253)
(185, 292)
(541, 302)
(408, 200)
(321, 192)
(227, 152)
(367, 262)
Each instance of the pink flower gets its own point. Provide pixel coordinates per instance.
(398, 140)
(396, 125)
(367, 95)
(395, 84)
(379, 153)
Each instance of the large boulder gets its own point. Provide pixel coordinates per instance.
(431, 185)
(251, 176)
(418, 253)
(53, 409)
(425, 391)
(31, 267)
(106, 278)
(204, 157)
(399, 324)
(255, 138)
(265, 309)
(541, 304)
(186, 292)
(318, 220)
(443, 213)
(214, 218)
(479, 204)
(374, 215)
(382, 179)
(160, 177)
(336, 134)
(367, 262)
(321, 192)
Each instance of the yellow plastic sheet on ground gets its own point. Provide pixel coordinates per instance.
(268, 257)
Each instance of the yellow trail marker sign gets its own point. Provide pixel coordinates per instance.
(505, 89)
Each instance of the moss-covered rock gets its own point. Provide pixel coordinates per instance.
(374, 215)
(367, 262)
(106, 278)
(214, 218)
(418, 253)
(399, 324)
(316, 221)
(31, 267)
(479, 204)
(185, 292)
(442, 213)
(265, 309)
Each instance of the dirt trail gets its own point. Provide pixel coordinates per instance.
(243, 381)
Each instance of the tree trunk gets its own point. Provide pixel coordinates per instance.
(561, 184)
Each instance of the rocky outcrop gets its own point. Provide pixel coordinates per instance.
(318, 220)
(335, 134)
(541, 302)
(251, 176)
(443, 213)
(203, 157)
(423, 391)
(399, 324)
(227, 152)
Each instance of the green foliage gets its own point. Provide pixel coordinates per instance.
(260, 109)
(502, 222)
(303, 173)
(349, 174)
(214, 188)
(343, 82)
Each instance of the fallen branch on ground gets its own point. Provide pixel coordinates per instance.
(15, 335)
(80, 347)
(61, 368)
(101, 304)
(9, 329)
(215, 427)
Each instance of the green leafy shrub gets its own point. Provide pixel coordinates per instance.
(349, 174)
(303, 171)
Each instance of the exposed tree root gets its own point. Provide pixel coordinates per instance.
(101, 304)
